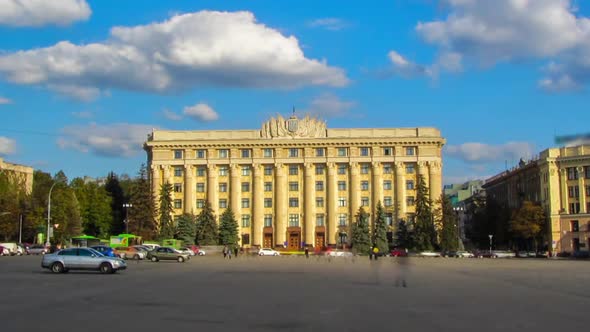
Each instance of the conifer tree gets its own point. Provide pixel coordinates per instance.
(114, 189)
(142, 214)
(206, 234)
(449, 237)
(166, 209)
(228, 229)
(186, 229)
(361, 238)
(403, 235)
(380, 230)
(424, 233)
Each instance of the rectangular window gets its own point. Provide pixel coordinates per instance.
(342, 152)
(319, 185)
(319, 219)
(200, 203)
(246, 170)
(410, 169)
(201, 171)
(319, 169)
(388, 151)
(341, 185)
(410, 201)
(364, 168)
(245, 203)
(387, 185)
(293, 170)
(268, 186)
(320, 152)
(387, 201)
(342, 169)
(293, 153)
(389, 219)
(319, 202)
(293, 186)
(293, 220)
(268, 170)
(245, 239)
(178, 203)
(575, 225)
(245, 220)
(268, 202)
(268, 220)
(342, 219)
(245, 187)
(587, 172)
(572, 174)
(341, 201)
(293, 202)
(574, 208)
(223, 203)
(178, 187)
(268, 153)
(223, 187)
(410, 151)
(364, 201)
(588, 193)
(410, 184)
(177, 171)
(365, 152)
(364, 185)
(200, 187)
(201, 154)
(387, 169)
(246, 153)
(223, 153)
(222, 170)
(573, 191)
(177, 154)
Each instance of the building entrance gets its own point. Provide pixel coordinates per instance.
(267, 241)
(320, 240)
(294, 240)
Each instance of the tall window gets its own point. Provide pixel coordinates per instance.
(588, 193)
(178, 203)
(223, 153)
(178, 187)
(575, 225)
(364, 168)
(365, 152)
(293, 202)
(201, 171)
(177, 154)
(387, 201)
(268, 153)
(574, 208)
(388, 151)
(587, 172)
(293, 186)
(245, 187)
(364, 185)
(342, 219)
(341, 169)
(268, 220)
(410, 150)
(387, 185)
(268, 202)
(572, 174)
(342, 152)
(201, 154)
(387, 169)
(245, 239)
(410, 169)
(268, 170)
(245, 220)
(319, 185)
(223, 203)
(364, 201)
(200, 203)
(246, 153)
(319, 219)
(245, 203)
(389, 219)
(320, 152)
(268, 186)
(341, 201)
(177, 171)
(223, 187)
(222, 170)
(293, 220)
(319, 169)
(319, 202)
(293, 152)
(341, 185)
(200, 187)
(293, 170)
(410, 184)
(574, 191)
(410, 201)
(246, 170)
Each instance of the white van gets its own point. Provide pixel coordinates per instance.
(14, 248)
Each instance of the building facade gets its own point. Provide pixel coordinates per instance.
(19, 173)
(296, 183)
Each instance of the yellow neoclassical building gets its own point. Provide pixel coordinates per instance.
(294, 182)
(18, 173)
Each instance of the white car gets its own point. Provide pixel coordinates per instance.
(13, 248)
(465, 254)
(429, 254)
(336, 253)
(268, 252)
(503, 254)
(187, 251)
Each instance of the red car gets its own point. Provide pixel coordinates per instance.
(196, 250)
(399, 252)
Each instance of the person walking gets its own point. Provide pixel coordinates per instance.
(229, 253)
(224, 252)
(376, 252)
(306, 252)
(236, 251)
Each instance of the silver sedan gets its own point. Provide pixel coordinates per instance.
(82, 259)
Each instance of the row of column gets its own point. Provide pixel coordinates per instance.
(431, 172)
(565, 189)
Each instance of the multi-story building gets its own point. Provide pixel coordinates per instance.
(457, 193)
(18, 173)
(296, 183)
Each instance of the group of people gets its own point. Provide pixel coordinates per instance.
(227, 252)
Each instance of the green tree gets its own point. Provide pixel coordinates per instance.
(186, 229)
(113, 188)
(528, 222)
(13, 202)
(449, 237)
(95, 207)
(142, 214)
(35, 222)
(424, 232)
(228, 228)
(207, 233)
(361, 238)
(65, 211)
(380, 230)
(403, 235)
(166, 210)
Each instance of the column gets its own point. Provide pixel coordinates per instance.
(189, 189)
(309, 203)
(234, 191)
(155, 179)
(424, 171)
(582, 190)
(377, 187)
(435, 174)
(213, 188)
(280, 205)
(258, 211)
(354, 189)
(400, 190)
(332, 202)
(564, 191)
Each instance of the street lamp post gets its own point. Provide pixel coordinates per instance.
(20, 228)
(47, 243)
(127, 206)
(491, 237)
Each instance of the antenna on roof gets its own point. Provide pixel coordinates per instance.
(293, 109)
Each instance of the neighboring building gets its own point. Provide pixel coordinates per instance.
(19, 173)
(296, 183)
(459, 192)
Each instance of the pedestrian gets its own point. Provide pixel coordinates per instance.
(376, 252)
(306, 252)
(224, 252)
(229, 253)
(236, 251)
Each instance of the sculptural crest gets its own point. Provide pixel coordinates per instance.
(293, 127)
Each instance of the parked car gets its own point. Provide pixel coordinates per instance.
(197, 250)
(339, 253)
(81, 259)
(167, 253)
(268, 252)
(399, 252)
(187, 251)
(429, 254)
(105, 250)
(130, 253)
(465, 254)
(37, 249)
(503, 254)
(4, 251)
(151, 246)
(13, 248)
(581, 254)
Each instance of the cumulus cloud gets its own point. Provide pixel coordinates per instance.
(7, 146)
(330, 106)
(114, 140)
(4, 101)
(490, 32)
(480, 152)
(170, 115)
(329, 23)
(205, 48)
(21, 13)
(201, 112)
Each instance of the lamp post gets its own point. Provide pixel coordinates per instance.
(127, 206)
(491, 237)
(47, 243)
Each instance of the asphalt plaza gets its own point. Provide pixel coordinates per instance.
(298, 294)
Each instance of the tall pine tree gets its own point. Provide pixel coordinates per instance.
(380, 230)
(186, 229)
(142, 216)
(166, 210)
(113, 187)
(403, 235)
(207, 233)
(449, 234)
(228, 229)
(361, 238)
(424, 232)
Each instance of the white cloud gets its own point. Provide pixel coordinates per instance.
(489, 32)
(405, 68)
(4, 101)
(7, 146)
(201, 112)
(20, 13)
(481, 152)
(114, 140)
(330, 106)
(170, 115)
(199, 49)
(329, 23)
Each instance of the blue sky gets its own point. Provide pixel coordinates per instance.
(83, 82)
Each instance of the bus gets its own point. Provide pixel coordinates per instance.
(125, 240)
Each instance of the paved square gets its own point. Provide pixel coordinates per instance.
(298, 294)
